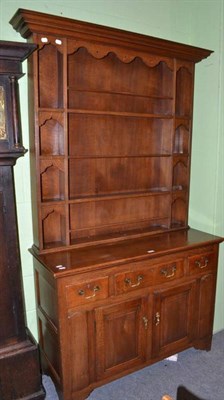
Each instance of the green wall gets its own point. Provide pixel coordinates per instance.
(196, 22)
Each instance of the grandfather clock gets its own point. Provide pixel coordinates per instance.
(20, 376)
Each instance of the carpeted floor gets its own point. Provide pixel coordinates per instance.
(200, 371)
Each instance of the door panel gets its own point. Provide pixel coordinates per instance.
(121, 332)
(174, 324)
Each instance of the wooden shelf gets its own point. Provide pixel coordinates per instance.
(122, 114)
(119, 156)
(156, 97)
(102, 197)
(120, 236)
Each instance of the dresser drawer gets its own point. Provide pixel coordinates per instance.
(132, 280)
(169, 271)
(201, 262)
(87, 292)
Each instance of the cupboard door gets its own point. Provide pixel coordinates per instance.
(121, 333)
(174, 319)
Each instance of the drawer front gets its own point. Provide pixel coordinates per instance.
(87, 292)
(132, 280)
(169, 271)
(144, 277)
(202, 262)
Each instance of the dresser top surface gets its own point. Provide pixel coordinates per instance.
(91, 258)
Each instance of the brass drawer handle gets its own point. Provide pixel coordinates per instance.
(145, 321)
(200, 265)
(139, 280)
(157, 318)
(96, 289)
(168, 272)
